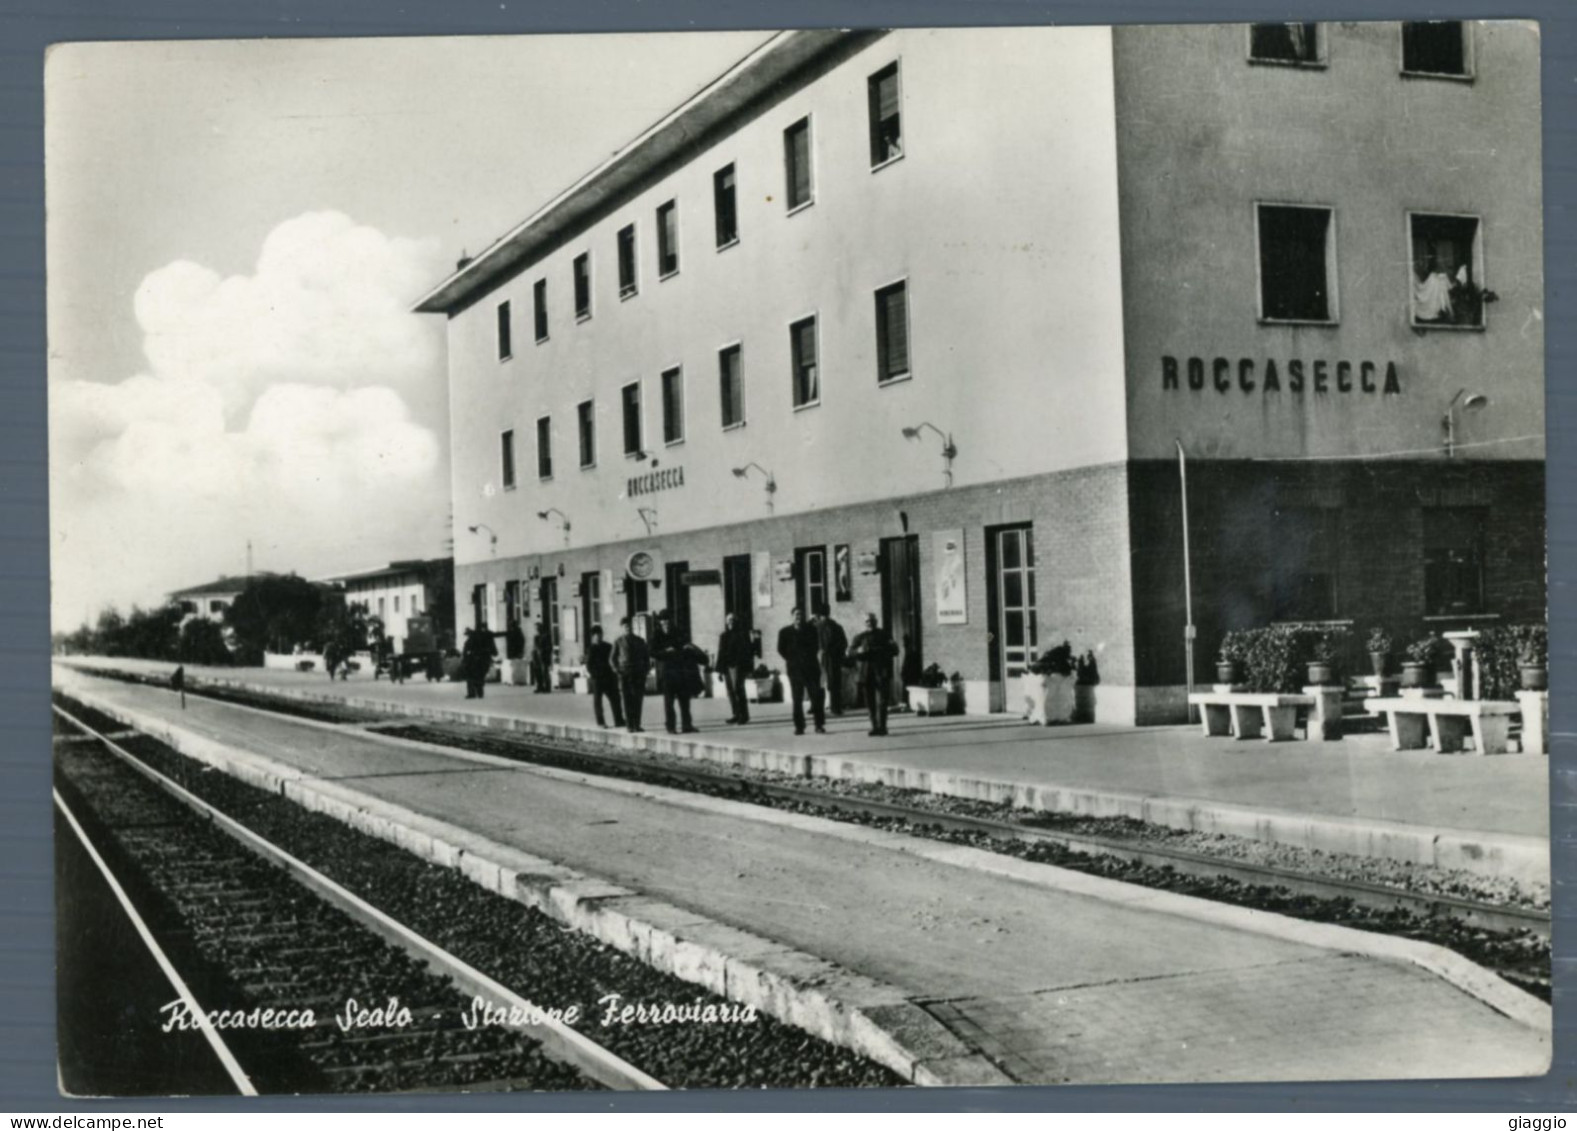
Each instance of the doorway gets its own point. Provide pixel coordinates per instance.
(1010, 600)
(900, 566)
(549, 596)
(590, 603)
(678, 597)
(810, 579)
(739, 593)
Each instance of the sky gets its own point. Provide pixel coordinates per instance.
(236, 232)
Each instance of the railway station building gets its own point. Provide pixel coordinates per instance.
(929, 323)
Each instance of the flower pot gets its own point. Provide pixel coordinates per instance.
(1321, 672)
(761, 690)
(928, 700)
(1227, 671)
(1535, 677)
(1416, 674)
(1380, 660)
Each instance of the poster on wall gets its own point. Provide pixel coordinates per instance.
(842, 574)
(947, 551)
(761, 575)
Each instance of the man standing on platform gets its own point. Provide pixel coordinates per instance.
(834, 647)
(542, 659)
(631, 662)
(872, 654)
(800, 647)
(735, 659)
(604, 682)
(676, 677)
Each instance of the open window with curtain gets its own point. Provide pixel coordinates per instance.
(1296, 44)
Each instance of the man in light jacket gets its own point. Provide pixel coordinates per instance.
(631, 661)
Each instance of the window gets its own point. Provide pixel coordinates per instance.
(796, 164)
(1295, 264)
(892, 332)
(1445, 256)
(539, 304)
(1297, 44)
(802, 350)
(1453, 560)
(627, 283)
(507, 453)
(810, 579)
(1436, 47)
(731, 379)
(544, 448)
(1305, 563)
(380, 608)
(673, 405)
(667, 239)
(886, 135)
(396, 602)
(586, 420)
(723, 205)
(631, 397)
(503, 331)
(583, 286)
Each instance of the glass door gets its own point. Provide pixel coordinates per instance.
(1016, 599)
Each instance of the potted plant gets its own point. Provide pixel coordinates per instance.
(930, 695)
(762, 686)
(1322, 660)
(1380, 645)
(1049, 695)
(1418, 670)
(1231, 658)
(1533, 661)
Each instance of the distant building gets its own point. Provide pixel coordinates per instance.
(209, 601)
(921, 322)
(401, 590)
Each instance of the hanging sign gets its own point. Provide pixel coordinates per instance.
(865, 561)
(702, 577)
(947, 550)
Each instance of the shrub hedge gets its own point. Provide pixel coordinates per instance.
(1502, 650)
(1276, 658)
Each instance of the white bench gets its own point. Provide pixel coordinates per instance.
(1249, 714)
(1419, 722)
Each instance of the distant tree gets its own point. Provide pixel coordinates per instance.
(202, 642)
(109, 634)
(275, 614)
(344, 624)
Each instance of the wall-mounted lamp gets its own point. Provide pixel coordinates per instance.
(648, 516)
(562, 517)
(772, 483)
(481, 526)
(949, 449)
(1448, 423)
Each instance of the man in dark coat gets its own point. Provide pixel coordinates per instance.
(476, 660)
(542, 659)
(631, 661)
(600, 674)
(515, 642)
(872, 654)
(735, 659)
(834, 646)
(676, 675)
(800, 647)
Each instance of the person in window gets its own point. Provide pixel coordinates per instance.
(604, 682)
(799, 645)
(735, 659)
(871, 654)
(631, 662)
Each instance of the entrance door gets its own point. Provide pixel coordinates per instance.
(810, 579)
(590, 603)
(479, 606)
(900, 565)
(739, 594)
(1012, 592)
(511, 603)
(678, 597)
(637, 598)
(550, 612)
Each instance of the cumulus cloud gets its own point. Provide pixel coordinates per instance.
(298, 407)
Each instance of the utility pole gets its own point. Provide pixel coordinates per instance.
(1188, 581)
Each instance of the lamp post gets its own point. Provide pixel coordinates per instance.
(492, 536)
(772, 483)
(562, 517)
(949, 449)
(1448, 423)
(1188, 582)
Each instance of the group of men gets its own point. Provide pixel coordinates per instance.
(815, 654)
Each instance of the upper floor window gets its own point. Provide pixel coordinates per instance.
(586, 421)
(1296, 263)
(667, 238)
(627, 282)
(892, 332)
(539, 304)
(796, 164)
(1436, 47)
(630, 395)
(673, 405)
(507, 458)
(544, 448)
(1297, 44)
(725, 207)
(731, 385)
(802, 351)
(886, 130)
(503, 332)
(396, 602)
(582, 271)
(1447, 268)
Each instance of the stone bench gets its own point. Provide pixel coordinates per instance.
(1250, 714)
(1417, 723)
